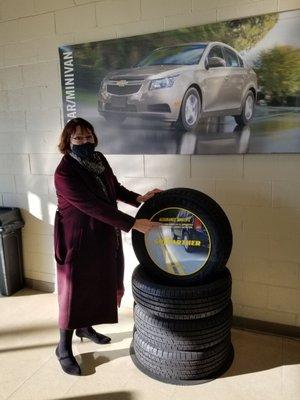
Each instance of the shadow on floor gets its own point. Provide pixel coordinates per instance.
(116, 338)
(252, 353)
(21, 330)
(25, 292)
(119, 337)
(103, 396)
(91, 360)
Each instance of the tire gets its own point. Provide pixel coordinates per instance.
(147, 285)
(182, 365)
(247, 112)
(195, 345)
(212, 249)
(182, 303)
(176, 314)
(188, 335)
(190, 110)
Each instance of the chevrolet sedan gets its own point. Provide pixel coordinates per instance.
(181, 84)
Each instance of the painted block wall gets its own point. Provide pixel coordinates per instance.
(260, 193)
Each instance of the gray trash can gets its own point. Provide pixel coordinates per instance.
(11, 255)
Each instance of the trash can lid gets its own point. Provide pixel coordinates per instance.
(9, 216)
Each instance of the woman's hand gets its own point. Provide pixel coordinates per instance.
(144, 225)
(148, 195)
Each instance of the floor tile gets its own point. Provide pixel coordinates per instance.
(265, 367)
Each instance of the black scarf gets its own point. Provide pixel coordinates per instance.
(95, 165)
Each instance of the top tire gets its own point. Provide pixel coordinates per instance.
(193, 242)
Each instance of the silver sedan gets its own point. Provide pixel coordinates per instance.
(181, 84)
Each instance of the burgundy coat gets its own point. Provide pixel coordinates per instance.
(90, 265)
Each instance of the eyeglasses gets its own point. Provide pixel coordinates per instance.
(82, 138)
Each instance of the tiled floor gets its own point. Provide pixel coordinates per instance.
(265, 367)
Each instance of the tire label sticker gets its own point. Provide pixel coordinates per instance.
(181, 244)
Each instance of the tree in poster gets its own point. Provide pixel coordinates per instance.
(278, 73)
(97, 58)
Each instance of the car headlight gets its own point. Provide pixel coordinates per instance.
(103, 85)
(163, 82)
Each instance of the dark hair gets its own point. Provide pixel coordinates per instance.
(69, 129)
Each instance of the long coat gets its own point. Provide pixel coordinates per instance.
(89, 255)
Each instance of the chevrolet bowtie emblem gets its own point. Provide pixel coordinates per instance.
(122, 83)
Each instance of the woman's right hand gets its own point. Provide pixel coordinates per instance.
(144, 225)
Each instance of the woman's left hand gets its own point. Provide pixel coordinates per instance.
(148, 195)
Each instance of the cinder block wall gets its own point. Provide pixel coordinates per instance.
(260, 193)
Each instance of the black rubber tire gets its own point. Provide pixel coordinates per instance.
(183, 303)
(196, 345)
(241, 119)
(188, 335)
(182, 382)
(151, 287)
(182, 365)
(163, 312)
(182, 123)
(212, 216)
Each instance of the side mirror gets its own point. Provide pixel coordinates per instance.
(215, 62)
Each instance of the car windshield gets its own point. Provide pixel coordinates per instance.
(175, 55)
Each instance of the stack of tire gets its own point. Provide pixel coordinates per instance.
(183, 310)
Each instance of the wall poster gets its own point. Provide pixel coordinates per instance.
(224, 88)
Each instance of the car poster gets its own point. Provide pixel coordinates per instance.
(224, 88)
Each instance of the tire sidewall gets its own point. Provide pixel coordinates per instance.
(217, 256)
(184, 123)
(246, 121)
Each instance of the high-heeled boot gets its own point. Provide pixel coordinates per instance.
(90, 333)
(64, 353)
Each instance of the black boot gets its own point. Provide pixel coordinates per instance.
(91, 334)
(64, 353)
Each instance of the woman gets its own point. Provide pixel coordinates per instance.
(87, 239)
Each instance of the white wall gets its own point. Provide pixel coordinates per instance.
(260, 193)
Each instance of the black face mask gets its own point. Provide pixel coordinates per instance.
(85, 150)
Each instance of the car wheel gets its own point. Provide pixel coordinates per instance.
(190, 110)
(247, 112)
(114, 119)
(170, 259)
(186, 239)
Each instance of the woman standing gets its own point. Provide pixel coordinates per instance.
(87, 239)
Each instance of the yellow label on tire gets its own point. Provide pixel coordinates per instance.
(181, 245)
